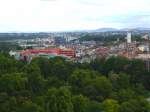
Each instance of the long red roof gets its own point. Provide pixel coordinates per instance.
(56, 51)
(45, 51)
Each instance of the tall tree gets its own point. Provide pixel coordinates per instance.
(58, 100)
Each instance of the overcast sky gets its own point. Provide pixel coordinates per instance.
(64, 15)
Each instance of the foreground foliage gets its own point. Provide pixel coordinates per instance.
(104, 85)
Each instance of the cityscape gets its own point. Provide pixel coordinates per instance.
(84, 50)
(74, 55)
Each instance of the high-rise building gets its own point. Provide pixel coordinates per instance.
(129, 40)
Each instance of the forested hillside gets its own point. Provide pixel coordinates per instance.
(110, 38)
(104, 85)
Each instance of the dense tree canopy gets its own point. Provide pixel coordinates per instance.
(58, 85)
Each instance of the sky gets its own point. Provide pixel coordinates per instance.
(70, 15)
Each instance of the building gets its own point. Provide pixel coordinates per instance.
(129, 40)
(28, 55)
(143, 48)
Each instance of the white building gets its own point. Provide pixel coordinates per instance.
(129, 40)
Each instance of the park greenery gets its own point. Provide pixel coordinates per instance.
(5, 47)
(13, 36)
(116, 84)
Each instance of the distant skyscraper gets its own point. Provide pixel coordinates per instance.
(129, 38)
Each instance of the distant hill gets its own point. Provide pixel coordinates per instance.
(140, 29)
(102, 30)
(106, 29)
(136, 29)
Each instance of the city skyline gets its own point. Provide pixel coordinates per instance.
(70, 15)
